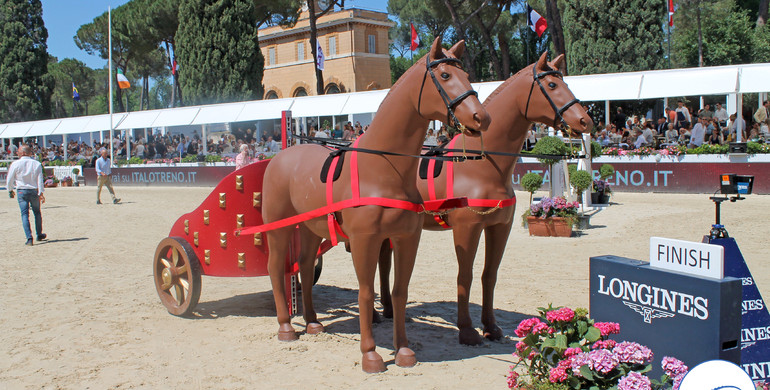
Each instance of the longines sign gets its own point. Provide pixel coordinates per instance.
(692, 318)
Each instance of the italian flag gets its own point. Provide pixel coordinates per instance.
(122, 80)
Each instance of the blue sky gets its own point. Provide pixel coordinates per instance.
(63, 18)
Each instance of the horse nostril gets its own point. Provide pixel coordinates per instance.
(583, 122)
(476, 119)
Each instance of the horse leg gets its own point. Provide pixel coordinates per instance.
(309, 243)
(278, 241)
(405, 254)
(466, 240)
(496, 237)
(384, 265)
(364, 248)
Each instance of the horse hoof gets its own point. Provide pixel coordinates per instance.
(286, 333)
(314, 328)
(405, 357)
(469, 336)
(494, 333)
(372, 363)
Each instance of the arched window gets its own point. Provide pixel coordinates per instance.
(299, 92)
(332, 88)
(271, 95)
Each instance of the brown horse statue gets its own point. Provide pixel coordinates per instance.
(435, 88)
(537, 93)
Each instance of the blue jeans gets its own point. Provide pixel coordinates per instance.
(29, 198)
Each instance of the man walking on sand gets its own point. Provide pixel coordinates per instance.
(26, 175)
(103, 172)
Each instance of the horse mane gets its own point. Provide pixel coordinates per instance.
(510, 80)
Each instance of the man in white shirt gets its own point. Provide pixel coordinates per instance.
(762, 116)
(698, 134)
(683, 118)
(720, 114)
(26, 175)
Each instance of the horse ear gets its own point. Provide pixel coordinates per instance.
(542, 63)
(557, 63)
(458, 49)
(436, 51)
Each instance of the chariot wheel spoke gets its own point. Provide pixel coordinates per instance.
(181, 270)
(165, 262)
(166, 286)
(175, 255)
(185, 284)
(179, 293)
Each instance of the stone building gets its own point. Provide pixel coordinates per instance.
(354, 42)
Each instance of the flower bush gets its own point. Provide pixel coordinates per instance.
(565, 349)
(602, 186)
(553, 207)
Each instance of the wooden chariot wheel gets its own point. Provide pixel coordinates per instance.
(177, 275)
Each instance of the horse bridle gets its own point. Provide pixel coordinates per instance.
(557, 111)
(449, 103)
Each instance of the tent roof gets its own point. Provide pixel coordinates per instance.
(321, 105)
(754, 78)
(263, 109)
(218, 113)
(362, 102)
(138, 120)
(102, 122)
(72, 125)
(176, 116)
(43, 127)
(15, 130)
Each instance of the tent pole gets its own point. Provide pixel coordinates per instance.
(63, 145)
(205, 142)
(739, 116)
(606, 112)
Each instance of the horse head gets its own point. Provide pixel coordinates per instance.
(446, 93)
(550, 100)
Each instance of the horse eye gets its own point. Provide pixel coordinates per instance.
(445, 76)
(552, 85)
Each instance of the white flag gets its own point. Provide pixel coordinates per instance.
(319, 62)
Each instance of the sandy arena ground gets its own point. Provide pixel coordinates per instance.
(81, 312)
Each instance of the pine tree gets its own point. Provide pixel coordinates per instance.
(614, 36)
(25, 86)
(218, 51)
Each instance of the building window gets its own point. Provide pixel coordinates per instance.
(332, 89)
(372, 43)
(271, 95)
(300, 51)
(332, 45)
(299, 92)
(271, 56)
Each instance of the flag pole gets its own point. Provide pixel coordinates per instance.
(669, 40)
(109, 63)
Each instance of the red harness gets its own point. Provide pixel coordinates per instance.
(354, 201)
(450, 179)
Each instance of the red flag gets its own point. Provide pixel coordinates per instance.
(670, 12)
(536, 22)
(173, 68)
(415, 38)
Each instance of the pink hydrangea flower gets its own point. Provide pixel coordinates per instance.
(532, 325)
(630, 352)
(634, 381)
(608, 328)
(604, 344)
(557, 374)
(571, 352)
(512, 379)
(564, 314)
(675, 369)
(602, 360)
(521, 346)
(577, 361)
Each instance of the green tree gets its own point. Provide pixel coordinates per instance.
(65, 73)
(218, 51)
(726, 34)
(613, 36)
(25, 85)
(160, 93)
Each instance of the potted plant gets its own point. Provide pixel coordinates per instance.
(50, 182)
(551, 217)
(550, 146)
(581, 181)
(601, 187)
(565, 349)
(531, 182)
(66, 181)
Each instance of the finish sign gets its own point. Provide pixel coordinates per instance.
(693, 258)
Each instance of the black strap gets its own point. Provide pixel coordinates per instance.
(328, 162)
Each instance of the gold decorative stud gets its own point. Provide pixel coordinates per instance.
(239, 221)
(239, 182)
(223, 240)
(257, 239)
(206, 217)
(222, 200)
(257, 199)
(186, 226)
(195, 238)
(242, 260)
(207, 256)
